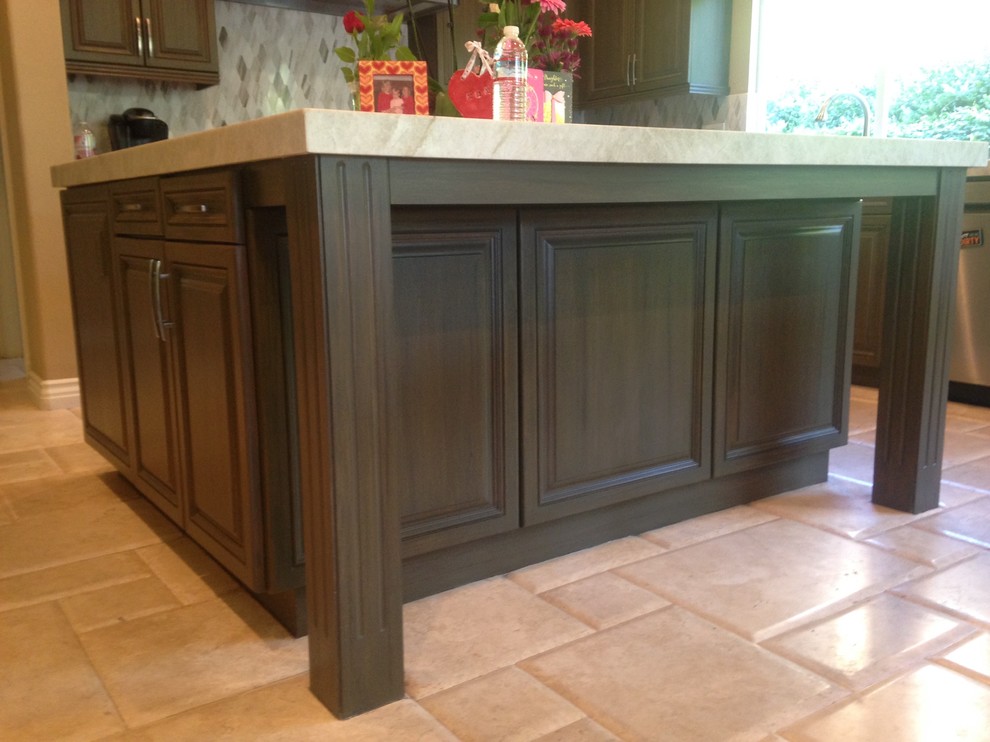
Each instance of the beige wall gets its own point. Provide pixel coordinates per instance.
(36, 134)
(10, 317)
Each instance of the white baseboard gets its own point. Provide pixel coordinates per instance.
(53, 394)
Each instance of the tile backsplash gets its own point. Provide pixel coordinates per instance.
(271, 60)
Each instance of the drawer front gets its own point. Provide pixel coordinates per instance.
(135, 208)
(205, 207)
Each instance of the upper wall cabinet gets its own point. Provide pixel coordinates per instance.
(649, 48)
(171, 40)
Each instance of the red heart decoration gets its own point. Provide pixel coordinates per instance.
(471, 95)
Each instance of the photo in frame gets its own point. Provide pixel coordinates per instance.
(393, 87)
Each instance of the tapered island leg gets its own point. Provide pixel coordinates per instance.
(914, 372)
(340, 267)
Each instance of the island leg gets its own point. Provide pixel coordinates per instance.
(340, 266)
(914, 372)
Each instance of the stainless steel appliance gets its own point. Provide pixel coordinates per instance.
(969, 372)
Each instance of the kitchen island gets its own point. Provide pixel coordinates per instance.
(465, 346)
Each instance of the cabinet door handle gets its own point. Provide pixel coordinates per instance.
(153, 268)
(151, 39)
(156, 299)
(193, 209)
(132, 207)
(628, 65)
(634, 70)
(140, 37)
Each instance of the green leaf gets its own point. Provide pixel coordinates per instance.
(404, 54)
(345, 54)
(444, 107)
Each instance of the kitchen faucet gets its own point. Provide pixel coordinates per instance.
(862, 101)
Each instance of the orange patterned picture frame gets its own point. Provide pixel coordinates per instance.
(393, 87)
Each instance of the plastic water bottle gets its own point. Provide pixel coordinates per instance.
(85, 141)
(509, 99)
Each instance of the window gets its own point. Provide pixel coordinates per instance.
(923, 66)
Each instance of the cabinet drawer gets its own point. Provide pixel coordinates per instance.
(203, 207)
(135, 208)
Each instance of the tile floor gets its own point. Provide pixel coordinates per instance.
(812, 615)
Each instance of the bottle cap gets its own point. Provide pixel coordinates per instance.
(511, 31)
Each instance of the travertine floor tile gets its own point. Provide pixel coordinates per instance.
(170, 662)
(188, 571)
(838, 505)
(852, 461)
(974, 474)
(54, 428)
(950, 495)
(506, 705)
(963, 447)
(288, 711)
(935, 550)
(971, 658)
(770, 578)
(864, 394)
(110, 605)
(969, 522)
(875, 640)
(70, 579)
(556, 572)
(932, 703)
(21, 465)
(37, 497)
(604, 600)
(963, 589)
(580, 731)
(49, 690)
(862, 415)
(471, 631)
(641, 681)
(84, 532)
(76, 458)
(707, 527)
(969, 412)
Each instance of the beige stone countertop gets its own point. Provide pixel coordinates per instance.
(332, 132)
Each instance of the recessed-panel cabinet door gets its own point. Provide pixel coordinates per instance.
(618, 311)
(181, 34)
(148, 352)
(211, 336)
(786, 285)
(103, 31)
(453, 375)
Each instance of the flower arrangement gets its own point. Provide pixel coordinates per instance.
(375, 38)
(551, 40)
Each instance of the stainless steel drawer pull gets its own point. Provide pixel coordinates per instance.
(156, 299)
(151, 39)
(132, 207)
(140, 37)
(193, 209)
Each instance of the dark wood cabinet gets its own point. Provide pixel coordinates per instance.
(649, 48)
(871, 291)
(618, 317)
(784, 341)
(106, 408)
(187, 342)
(171, 40)
(454, 374)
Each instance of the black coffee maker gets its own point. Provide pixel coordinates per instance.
(135, 126)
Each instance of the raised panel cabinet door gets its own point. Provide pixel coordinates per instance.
(106, 410)
(453, 375)
(148, 355)
(106, 31)
(214, 383)
(784, 348)
(661, 33)
(618, 318)
(181, 34)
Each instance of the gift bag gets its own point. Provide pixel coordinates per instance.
(471, 91)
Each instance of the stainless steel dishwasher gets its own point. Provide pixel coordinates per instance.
(969, 371)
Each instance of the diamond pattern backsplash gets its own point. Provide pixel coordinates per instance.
(271, 60)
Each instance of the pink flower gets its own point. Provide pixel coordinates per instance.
(566, 27)
(552, 6)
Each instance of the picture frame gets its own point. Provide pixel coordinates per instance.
(393, 87)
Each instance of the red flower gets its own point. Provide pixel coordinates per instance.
(352, 24)
(565, 26)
